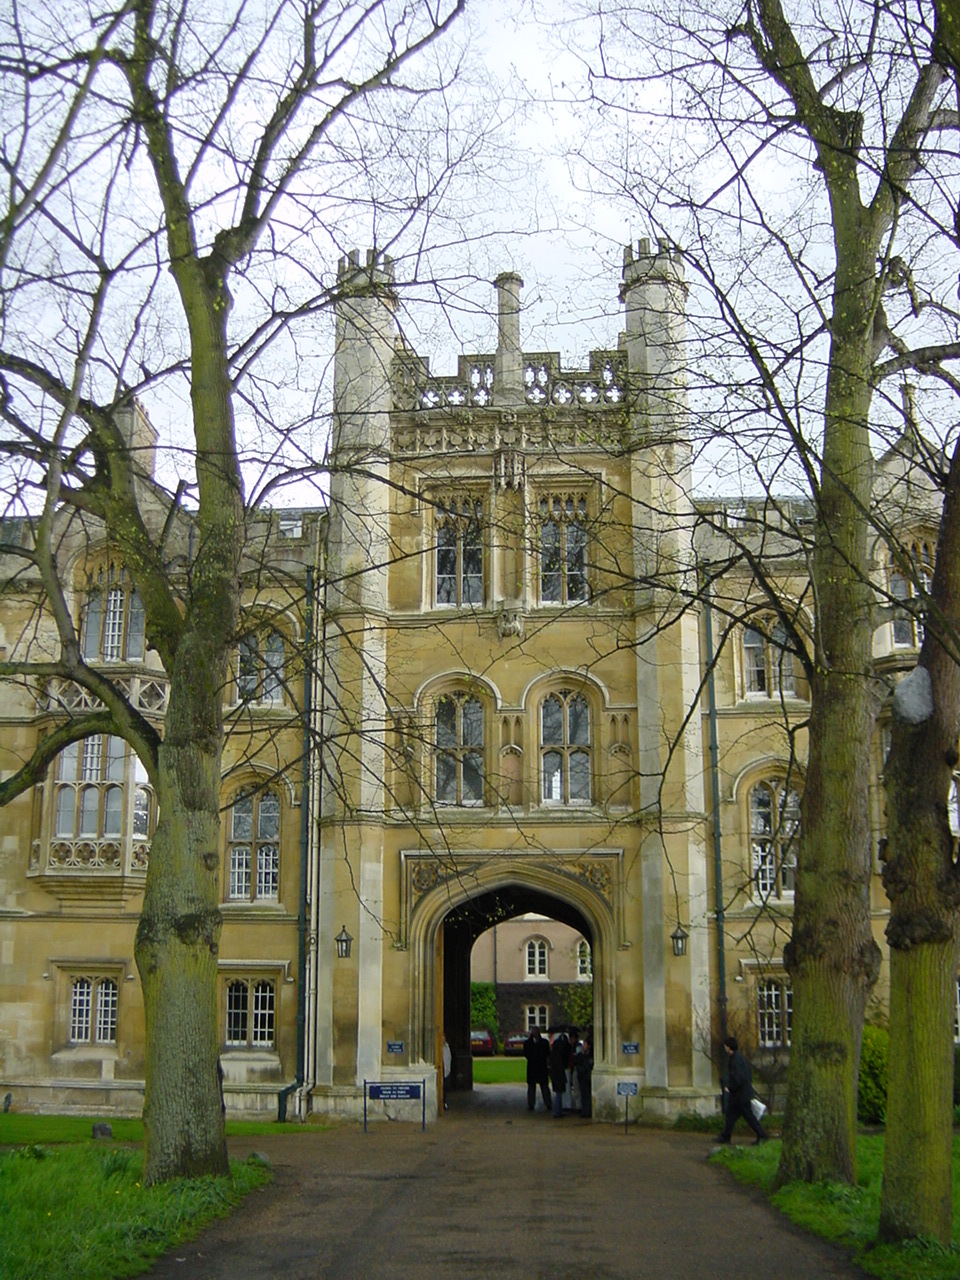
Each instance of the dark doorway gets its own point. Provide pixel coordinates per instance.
(461, 928)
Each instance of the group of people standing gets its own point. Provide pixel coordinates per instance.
(566, 1064)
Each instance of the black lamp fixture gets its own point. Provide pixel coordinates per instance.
(679, 939)
(343, 941)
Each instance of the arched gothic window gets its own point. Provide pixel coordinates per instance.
(774, 832)
(93, 1011)
(907, 596)
(458, 727)
(768, 663)
(253, 848)
(537, 960)
(113, 619)
(260, 668)
(459, 565)
(565, 745)
(563, 548)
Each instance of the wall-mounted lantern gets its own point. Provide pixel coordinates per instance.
(679, 939)
(343, 941)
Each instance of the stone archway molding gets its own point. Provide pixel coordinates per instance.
(432, 885)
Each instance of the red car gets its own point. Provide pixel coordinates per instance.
(481, 1044)
(514, 1043)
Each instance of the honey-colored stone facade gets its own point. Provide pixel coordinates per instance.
(519, 699)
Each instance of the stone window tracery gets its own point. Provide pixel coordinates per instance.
(908, 594)
(774, 833)
(536, 968)
(537, 1015)
(768, 662)
(113, 624)
(260, 667)
(565, 748)
(458, 760)
(93, 1010)
(93, 780)
(253, 848)
(584, 961)
(563, 549)
(459, 552)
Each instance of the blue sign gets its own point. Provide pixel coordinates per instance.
(631, 1046)
(627, 1088)
(395, 1092)
(394, 1046)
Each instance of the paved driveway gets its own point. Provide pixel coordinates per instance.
(494, 1191)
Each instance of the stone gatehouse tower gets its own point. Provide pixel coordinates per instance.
(508, 556)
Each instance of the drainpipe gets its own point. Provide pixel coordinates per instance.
(715, 784)
(304, 846)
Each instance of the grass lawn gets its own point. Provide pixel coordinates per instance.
(499, 1070)
(78, 1209)
(849, 1215)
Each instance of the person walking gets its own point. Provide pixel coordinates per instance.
(537, 1053)
(739, 1093)
(583, 1068)
(559, 1057)
(447, 1068)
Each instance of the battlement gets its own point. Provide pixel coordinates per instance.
(544, 383)
(377, 270)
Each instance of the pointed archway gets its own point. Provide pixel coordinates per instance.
(452, 910)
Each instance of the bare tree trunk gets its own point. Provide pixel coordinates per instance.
(832, 956)
(923, 884)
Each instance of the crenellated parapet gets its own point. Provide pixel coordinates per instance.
(543, 380)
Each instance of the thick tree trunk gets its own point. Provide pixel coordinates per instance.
(832, 957)
(923, 884)
(917, 1195)
(176, 952)
(179, 930)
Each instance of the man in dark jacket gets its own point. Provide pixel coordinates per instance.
(537, 1052)
(559, 1061)
(739, 1092)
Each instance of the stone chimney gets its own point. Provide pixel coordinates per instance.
(508, 364)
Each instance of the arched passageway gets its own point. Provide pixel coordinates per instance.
(448, 918)
(461, 928)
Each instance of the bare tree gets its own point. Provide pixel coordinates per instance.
(808, 186)
(176, 185)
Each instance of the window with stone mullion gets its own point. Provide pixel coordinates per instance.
(774, 829)
(459, 553)
(563, 549)
(565, 749)
(459, 751)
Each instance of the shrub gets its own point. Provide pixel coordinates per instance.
(872, 1084)
(483, 1008)
(956, 1076)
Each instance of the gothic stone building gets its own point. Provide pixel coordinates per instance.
(521, 704)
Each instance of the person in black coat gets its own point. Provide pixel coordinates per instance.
(739, 1092)
(537, 1053)
(559, 1061)
(583, 1066)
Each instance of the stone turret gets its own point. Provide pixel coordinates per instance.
(366, 333)
(508, 365)
(655, 294)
